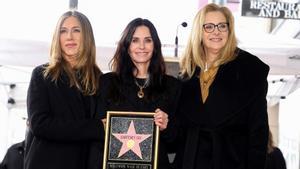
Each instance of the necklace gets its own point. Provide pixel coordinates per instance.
(140, 93)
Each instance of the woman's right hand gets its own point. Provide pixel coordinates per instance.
(161, 119)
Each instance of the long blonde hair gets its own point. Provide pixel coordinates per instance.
(194, 53)
(86, 73)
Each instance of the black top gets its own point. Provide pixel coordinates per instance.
(61, 124)
(124, 98)
(14, 157)
(229, 130)
(275, 160)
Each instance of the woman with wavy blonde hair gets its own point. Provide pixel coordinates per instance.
(223, 107)
(195, 54)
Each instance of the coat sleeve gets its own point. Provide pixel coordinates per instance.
(258, 128)
(170, 132)
(46, 125)
(280, 161)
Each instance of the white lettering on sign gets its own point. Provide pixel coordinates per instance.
(276, 9)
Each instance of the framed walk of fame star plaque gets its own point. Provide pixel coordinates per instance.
(131, 141)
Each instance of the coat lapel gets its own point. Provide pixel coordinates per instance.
(191, 101)
(228, 94)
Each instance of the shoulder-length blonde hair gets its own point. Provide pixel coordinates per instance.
(86, 73)
(194, 53)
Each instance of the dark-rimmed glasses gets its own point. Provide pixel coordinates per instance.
(210, 27)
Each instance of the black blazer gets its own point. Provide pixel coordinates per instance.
(61, 124)
(166, 101)
(230, 130)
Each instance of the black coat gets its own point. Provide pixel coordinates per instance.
(275, 160)
(167, 101)
(230, 130)
(61, 128)
(14, 157)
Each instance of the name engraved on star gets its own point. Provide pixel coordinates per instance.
(131, 137)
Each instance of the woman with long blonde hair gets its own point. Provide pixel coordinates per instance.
(61, 99)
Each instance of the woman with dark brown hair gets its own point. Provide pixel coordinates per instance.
(138, 81)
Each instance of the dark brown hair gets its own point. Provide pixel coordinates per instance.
(123, 66)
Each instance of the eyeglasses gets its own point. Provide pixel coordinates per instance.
(210, 27)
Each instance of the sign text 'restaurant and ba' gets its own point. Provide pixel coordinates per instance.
(270, 9)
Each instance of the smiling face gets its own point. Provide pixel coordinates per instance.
(70, 38)
(215, 40)
(141, 46)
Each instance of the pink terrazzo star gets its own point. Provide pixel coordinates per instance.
(131, 141)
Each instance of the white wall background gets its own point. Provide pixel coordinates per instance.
(35, 19)
(289, 129)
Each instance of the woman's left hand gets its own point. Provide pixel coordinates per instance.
(161, 119)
